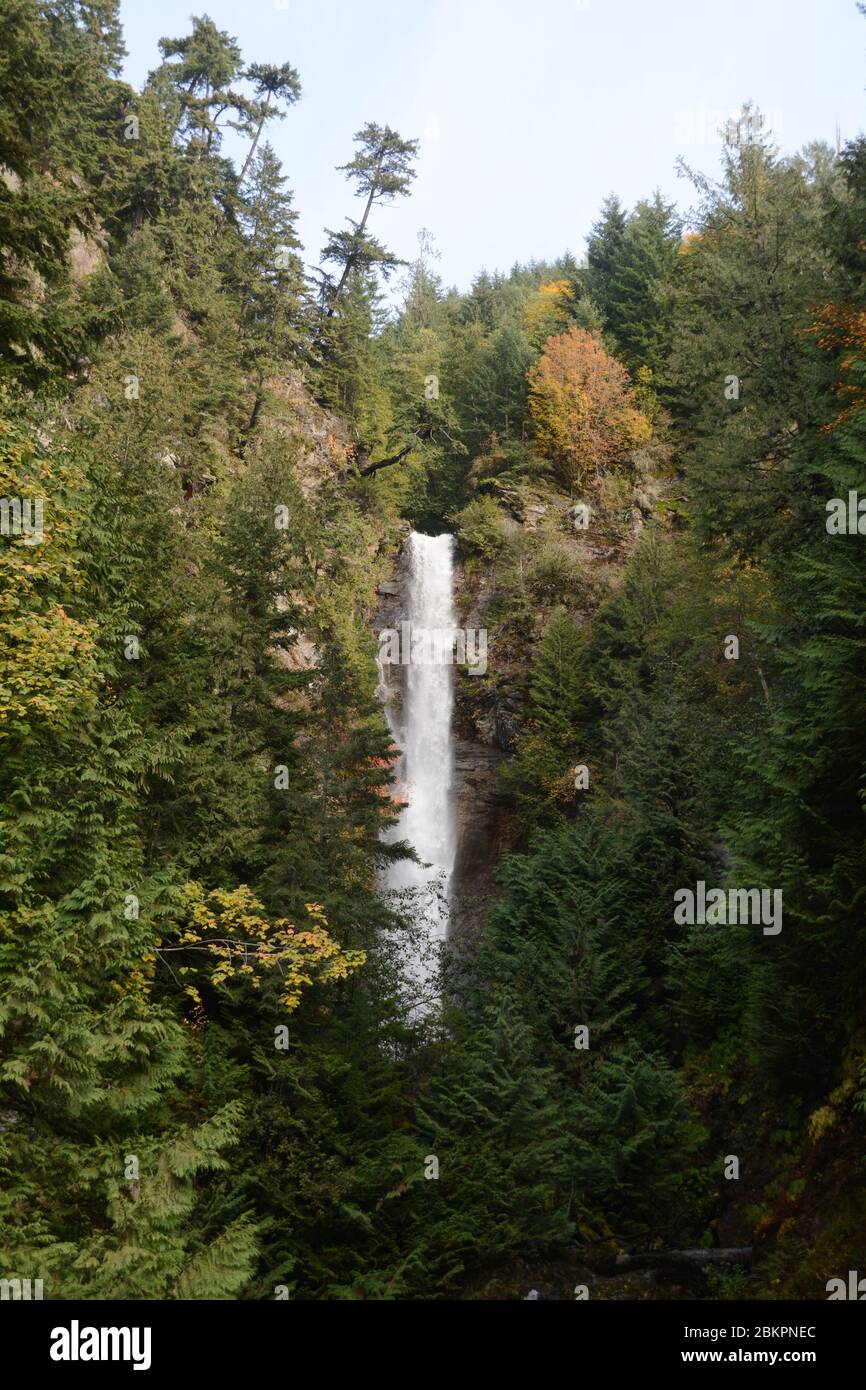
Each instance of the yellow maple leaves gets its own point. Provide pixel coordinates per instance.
(47, 657)
(582, 405)
(842, 328)
(229, 928)
(547, 310)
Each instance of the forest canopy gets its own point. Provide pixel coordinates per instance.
(214, 1081)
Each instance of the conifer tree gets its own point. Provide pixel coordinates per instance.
(603, 247)
(639, 286)
(381, 171)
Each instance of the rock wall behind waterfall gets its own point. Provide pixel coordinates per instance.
(483, 823)
(489, 709)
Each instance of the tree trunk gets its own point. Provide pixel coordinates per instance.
(684, 1259)
(360, 232)
(252, 148)
(369, 468)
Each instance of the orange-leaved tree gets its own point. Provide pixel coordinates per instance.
(582, 406)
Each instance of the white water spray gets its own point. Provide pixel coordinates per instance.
(425, 769)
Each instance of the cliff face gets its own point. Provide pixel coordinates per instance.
(486, 831)
(545, 560)
(320, 442)
(355, 542)
(559, 565)
(390, 611)
(486, 717)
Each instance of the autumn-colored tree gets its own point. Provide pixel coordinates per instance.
(582, 406)
(548, 310)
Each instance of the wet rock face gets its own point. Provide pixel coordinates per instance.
(487, 717)
(390, 612)
(501, 722)
(390, 602)
(485, 832)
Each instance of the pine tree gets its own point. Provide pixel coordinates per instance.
(271, 84)
(747, 388)
(495, 1123)
(272, 287)
(603, 247)
(635, 1143)
(199, 84)
(381, 171)
(639, 286)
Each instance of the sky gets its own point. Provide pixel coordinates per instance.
(529, 112)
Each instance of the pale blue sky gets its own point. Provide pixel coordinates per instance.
(529, 111)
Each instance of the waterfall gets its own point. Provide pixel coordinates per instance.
(422, 729)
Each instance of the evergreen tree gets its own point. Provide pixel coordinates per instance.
(639, 286)
(209, 61)
(381, 171)
(273, 286)
(603, 247)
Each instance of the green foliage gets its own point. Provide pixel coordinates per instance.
(196, 772)
(541, 774)
(139, 1241)
(480, 528)
(496, 1124)
(633, 267)
(635, 1147)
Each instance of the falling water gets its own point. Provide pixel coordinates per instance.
(423, 731)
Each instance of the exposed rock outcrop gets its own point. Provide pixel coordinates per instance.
(485, 833)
